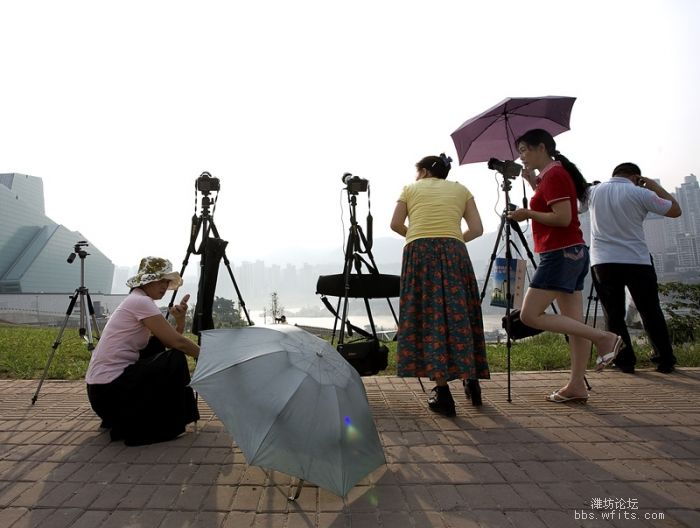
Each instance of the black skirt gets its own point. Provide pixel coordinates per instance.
(150, 402)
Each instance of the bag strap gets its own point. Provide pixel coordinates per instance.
(361, 331)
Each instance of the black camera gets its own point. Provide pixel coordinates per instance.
(509, 169)
(207, 184)
(355, 183)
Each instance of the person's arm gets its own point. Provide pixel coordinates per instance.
(474, 226)
(647, 183)
(559, 216)
(170, 337)
(398, 220)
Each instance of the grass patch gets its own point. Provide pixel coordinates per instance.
(548, 351)
(24, 352)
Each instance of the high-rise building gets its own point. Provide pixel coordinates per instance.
(688, 196)
(34, 248)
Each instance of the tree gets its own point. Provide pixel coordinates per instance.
(680, 302)
(225, 313)
(276, 309)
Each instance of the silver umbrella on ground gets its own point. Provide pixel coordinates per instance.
(291, 403)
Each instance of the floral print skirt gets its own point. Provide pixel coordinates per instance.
(441, 330)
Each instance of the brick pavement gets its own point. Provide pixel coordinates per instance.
(633, 450)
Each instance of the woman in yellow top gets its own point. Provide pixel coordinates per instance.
(441, 331)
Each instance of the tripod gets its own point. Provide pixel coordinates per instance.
(88, 321)
(211, 250)
(506, 226)
(353, 258)
(367, 356)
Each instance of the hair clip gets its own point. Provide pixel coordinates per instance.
(446, 160)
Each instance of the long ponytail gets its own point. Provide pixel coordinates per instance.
(579, 181)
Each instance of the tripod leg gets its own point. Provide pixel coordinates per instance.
(371, 319)
(56, 343)
(241, 302)
(95, 330)
(196, 226)
(592, 297)
(493, 258)
(335, 321)
(351, 249)
(85, 323)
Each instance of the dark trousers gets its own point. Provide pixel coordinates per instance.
(610, 281)
(150, 402)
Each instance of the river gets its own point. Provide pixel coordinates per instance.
(492, 323)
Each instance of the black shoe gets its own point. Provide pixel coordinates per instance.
(627, 369)
(472, 390)
(442, 402)
(665, 369)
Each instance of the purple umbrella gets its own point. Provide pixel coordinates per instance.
(492, 133)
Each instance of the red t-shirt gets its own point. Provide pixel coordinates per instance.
(555, 185)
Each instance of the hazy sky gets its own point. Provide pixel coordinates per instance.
(119, 106)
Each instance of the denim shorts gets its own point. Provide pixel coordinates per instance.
(562, 269)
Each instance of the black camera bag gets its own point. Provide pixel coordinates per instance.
(368, 357)
(518, 329)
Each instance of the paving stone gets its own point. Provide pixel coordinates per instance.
(523, 463)
(91, 519)
(10, 515)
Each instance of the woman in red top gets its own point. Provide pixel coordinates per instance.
(564, 259)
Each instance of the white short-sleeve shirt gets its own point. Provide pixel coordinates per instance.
(618, 209)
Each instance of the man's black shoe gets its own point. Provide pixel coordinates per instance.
(665, 369)
(627, 369)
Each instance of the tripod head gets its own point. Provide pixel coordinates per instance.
(78, 251)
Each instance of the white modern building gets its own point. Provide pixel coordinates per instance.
(34, 253)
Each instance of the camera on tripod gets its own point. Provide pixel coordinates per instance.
(508, 168)
(207, 184)
(355, 184)
(78, 251)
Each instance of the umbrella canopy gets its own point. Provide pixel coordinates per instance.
(492, 133)
(291, 402)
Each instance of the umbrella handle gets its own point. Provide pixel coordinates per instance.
(297, 490)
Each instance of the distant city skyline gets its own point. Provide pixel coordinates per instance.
(673, 244)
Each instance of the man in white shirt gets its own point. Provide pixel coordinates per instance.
(620, 258)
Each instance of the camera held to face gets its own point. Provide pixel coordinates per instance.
(509, 169)
(207, 184)
(355, 183)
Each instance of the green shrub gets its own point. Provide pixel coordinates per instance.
(680, 302)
